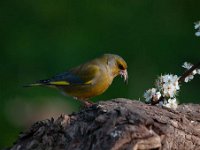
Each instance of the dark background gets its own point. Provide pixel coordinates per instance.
(42, 38)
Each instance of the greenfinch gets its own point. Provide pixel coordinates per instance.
(90, 79)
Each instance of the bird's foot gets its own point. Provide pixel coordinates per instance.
(88, 104)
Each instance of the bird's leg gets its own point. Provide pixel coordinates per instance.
(85, 102)
(88, 104)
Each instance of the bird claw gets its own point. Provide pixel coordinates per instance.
(88, 104)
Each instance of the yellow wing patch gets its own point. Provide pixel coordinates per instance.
(59, 83)
(88, 82)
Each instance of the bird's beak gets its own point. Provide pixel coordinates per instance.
(124, 74)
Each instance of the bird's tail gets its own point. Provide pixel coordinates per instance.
(38, 83)
(33, 84)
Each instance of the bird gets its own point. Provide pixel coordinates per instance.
(89, 79)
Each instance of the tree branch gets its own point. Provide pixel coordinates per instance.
(188, 72)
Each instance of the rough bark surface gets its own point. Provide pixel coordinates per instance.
(119, 124)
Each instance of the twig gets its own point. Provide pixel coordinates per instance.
(188, 72)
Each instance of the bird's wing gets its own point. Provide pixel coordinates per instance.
(81, 75)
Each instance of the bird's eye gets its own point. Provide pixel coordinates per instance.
(120, 66)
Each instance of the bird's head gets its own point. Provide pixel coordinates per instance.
(117, 65)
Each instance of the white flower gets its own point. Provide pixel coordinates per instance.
(187, 65)
(148, 95)
(157, 96)
(189, 78)
(197, 33)
(169, 90)
(198, 71)
(169, 78)
(194, 72)
(176, 84)
(171, 103)
(197, 25)
(168, 85)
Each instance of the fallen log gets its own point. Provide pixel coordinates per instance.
(117, 125)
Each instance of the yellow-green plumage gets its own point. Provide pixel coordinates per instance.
(89, 79)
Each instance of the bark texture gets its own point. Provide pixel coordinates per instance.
(119, 124)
